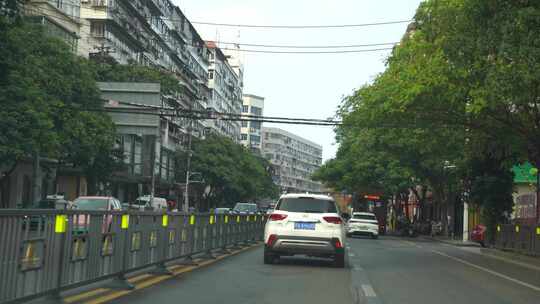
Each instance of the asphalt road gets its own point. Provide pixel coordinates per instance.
(387, 270)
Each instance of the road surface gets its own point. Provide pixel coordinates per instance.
(388, 270)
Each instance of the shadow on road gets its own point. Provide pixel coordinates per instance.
(304, 261)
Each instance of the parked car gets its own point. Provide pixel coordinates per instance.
(270, 209)
(56, 202)
(245, 208)
(143, 203)
(94, 203)
(305, 224)
(222, 210)
(363, 223)
(478, 234)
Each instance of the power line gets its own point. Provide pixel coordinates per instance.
(307, 52)
(298, 26)
(307, 46)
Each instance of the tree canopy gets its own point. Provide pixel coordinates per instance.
(230, 172)
(457, 103)
(45, 93)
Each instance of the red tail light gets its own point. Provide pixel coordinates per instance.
(333, 219)
(271, 240)
(337, 243)
(277, 217)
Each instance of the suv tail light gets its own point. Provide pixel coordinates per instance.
(271, 240)
(277, 217)
(337, 243)
(333, 219)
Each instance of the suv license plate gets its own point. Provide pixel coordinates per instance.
(304, 226)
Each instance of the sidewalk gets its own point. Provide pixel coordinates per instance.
(517, 258)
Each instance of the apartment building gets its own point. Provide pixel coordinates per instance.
(293, 158)
(60, 18)
(253, 105)
(153, 33)
(225, 85)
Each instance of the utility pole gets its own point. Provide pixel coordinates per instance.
(36, 179)
(154, 162)
(188, 167)
(537, 197)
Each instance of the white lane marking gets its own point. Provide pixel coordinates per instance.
(357, 268)
(351, 254)
(368, 291)
(500, 275)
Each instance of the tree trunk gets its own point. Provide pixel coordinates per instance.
(7, 173)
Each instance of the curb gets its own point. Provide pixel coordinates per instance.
(454, 243)
(103, 295)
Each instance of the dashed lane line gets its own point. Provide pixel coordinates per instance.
(368, 291)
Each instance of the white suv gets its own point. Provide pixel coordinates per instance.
(363, 223)
(305, 224)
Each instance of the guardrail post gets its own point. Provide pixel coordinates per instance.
(121, 281)
(188, 260)
(224, 234)
(250, 236)
(161, 268)
(236, 229)
(209, 242)
(60, 228)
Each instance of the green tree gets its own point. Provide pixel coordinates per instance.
(108, 70)
(461, 87)
(50, 103)
(230, 172)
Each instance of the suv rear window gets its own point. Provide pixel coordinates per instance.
(306, 204)
(364, 217)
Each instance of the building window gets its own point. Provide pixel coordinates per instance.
(255, 138)
(245, 109)
(97, 29)
(244, 136)
(256, 125)
(210, 74)
(244, 124)
(256, 111)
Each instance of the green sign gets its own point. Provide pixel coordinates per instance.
(525, 174)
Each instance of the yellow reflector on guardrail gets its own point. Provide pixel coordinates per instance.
(538, 230)
(238, 218)
(165, 220)
(211, 219)
(125, 221)
(226, 219)
(498, 228)
(517, 228)
(60, 224)
(247, 218)
(192, 219)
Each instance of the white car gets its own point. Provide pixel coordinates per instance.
(363, 223)
(305, 224)
(143, 203)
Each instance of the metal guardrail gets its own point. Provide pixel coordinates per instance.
(519, 238)
(44, 252)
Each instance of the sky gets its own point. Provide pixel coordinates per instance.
(312, 85)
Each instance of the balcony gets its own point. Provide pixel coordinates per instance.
(98, 3)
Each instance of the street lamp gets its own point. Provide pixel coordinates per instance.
(535, 171)
(446, 166)
(186, 193)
